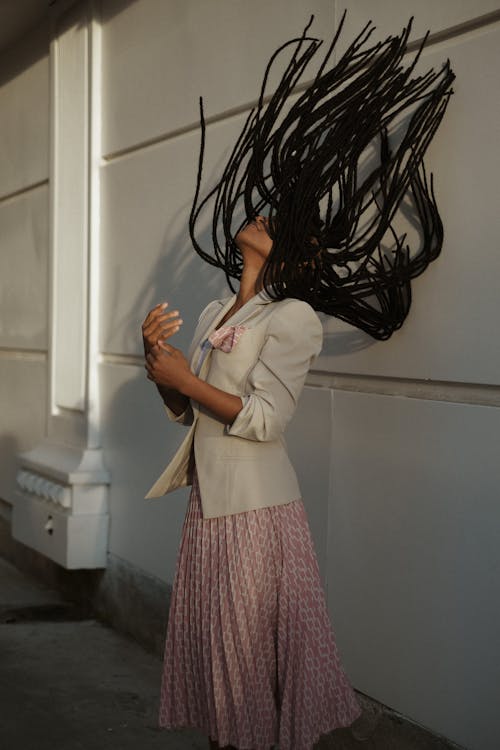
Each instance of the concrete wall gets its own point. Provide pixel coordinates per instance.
(24, 144)
(401, 483)
(395, 442)
(150, 143)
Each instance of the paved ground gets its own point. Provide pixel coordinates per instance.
(70, 684)
(73, 684)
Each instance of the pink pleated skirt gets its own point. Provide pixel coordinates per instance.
(250, 654)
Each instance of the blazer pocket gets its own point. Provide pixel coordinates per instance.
(252, 450)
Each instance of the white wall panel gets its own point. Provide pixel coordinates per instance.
(24, 105)
(415, 558)
(138, 441)
(159, 57)
(23, 270)
(451, 332)
(391, 15)
(23, 391)
(308, 437)
(147, 255)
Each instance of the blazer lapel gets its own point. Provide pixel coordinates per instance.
(222, 309)
(243, 314)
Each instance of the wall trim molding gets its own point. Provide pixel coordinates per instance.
(61, 506)
(36, 484)
(428, 390)
(28, 355)
(26, 189)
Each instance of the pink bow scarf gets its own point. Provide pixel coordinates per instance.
(226, 338)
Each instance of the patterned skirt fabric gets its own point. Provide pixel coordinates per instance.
(250, 654)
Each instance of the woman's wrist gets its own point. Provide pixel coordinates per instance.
(225, 406)
(188, 384)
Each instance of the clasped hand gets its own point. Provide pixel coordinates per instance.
(166, 366)
(169, 369)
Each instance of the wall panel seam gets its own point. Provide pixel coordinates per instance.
(429, 390)
(191, 127)
(457, 30)
(31, 355)
(23, 190)
(109, 358)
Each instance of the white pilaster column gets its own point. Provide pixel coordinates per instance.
(61, 506)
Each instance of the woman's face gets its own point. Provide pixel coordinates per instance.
(254, 237)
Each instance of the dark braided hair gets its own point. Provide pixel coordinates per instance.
(332, 177)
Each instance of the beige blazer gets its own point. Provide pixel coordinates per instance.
(245, 465)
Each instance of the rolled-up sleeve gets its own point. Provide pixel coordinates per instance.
(293, 340)
(186, 417)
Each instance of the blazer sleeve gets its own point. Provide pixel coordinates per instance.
(187, 416)
(293, 340)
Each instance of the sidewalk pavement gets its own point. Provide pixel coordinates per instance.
(68, 683)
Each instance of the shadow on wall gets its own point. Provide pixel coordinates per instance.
(138, 442)
(179, 277)
(338, 343)
(139, 434)
(23, 53)
(111, 9)
(407, 225)
(9, 448)
(138, 438)
(33, 43)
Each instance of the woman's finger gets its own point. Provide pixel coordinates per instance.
(155, 311)
(168, 331)
(153, 335)
(157, 316)
(168, 325)
(166, 347)
(161, 316)
(157, 351)
(160, 333)
(158, 323)
(150, 367)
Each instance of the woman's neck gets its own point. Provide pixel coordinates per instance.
(250, 284)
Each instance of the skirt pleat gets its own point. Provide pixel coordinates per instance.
(250, 654)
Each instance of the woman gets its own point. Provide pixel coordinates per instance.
(250, 655)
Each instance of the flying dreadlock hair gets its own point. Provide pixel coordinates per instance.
(304, 164)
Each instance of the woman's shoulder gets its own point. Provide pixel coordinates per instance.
(295, 323)
(296, 309)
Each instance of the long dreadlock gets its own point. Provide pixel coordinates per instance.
(307, 164)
